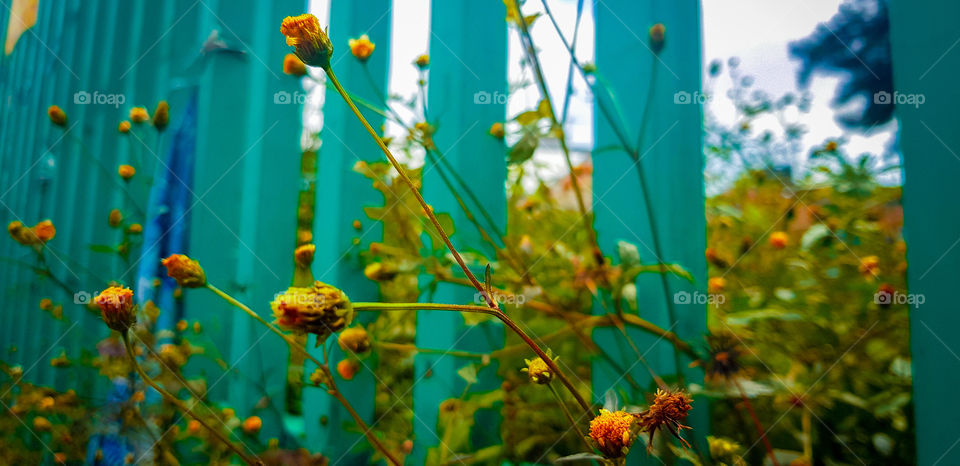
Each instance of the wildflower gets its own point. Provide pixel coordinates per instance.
(181, 325)
(497, 131)
(870, 266)
(723, 359)
(46, 403)
(830, 146)
(193, 426)
(116, 307)
(378, 272)
(303, 255)
(228, 413)
(320, 309)
(423, 61)
(135, 229)
(116, 218)
(126, 171)
(161, 116)
(668, 410)
(197, 328)
(60, 457)
(407, 446)
(252, 425)
(44, 231)
(362, 48)
(186, 271)
(779, 239)
(357, 225)
(46, 304)
(347, 369)
(355, 340)
(320, 377)
(657, 36)
(293, 65)
(725, 450)
(124, 126)
(310, 43)
(57, 116)
(41, 424)
(613, 432)
(139, 114)
(538, 370)
(716, 284)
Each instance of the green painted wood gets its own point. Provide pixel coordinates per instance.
(341, 195)
(925, 64)
(467, 55)
(671, 159)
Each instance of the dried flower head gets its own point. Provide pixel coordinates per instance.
(657, 35)
(355, 340)
(423, 61)
(613, 432)
(668, 410)
(126, 171)
(186, 271)
(310, 43)
(779, 239)
(116, 307)
(139, 115)
(161, 116)
(124, 126)
(723, 358)
(361, 48)
(320, 309)
(57, 115)
(293, 65)
(303, 255)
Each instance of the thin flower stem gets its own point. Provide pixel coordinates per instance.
(331, 388)
(416, 349)
(360, 307)
(573, 422)
(756, 423)
(180, 404)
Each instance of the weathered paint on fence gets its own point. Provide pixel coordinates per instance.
(924, 66)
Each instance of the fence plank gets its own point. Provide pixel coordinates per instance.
(341, 195)
(468, 55)
(671, 159)
(923, 65)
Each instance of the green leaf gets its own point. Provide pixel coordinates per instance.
(469, 373)
(585, 457)
(524, 148)
(813, 235)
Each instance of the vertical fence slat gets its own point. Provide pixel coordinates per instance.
(924, 64)
(467, 55)
(671, 158)
(341, 195)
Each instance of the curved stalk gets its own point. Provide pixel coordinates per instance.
(566, 412)
(180, 404)
(331, 389)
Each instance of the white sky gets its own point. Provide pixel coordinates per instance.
(756, 31)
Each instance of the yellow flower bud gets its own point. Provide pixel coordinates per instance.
(57, 115)
(186, 271)
(310, 43)
(320, 309)
(361, 48)
(355, 340)
(161, 116)
(139, 114)
(293, 65)
(116, 307)
(303, 255)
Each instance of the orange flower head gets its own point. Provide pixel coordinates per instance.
(423, 61)
(252, 425)
(139, 115)
(657, 36)
(116, 307)
(41, 424)
(293, 65)
(126, 171)
(46, 304)
(57, 115)
(779, 239)
(716, 284)
(124, 126)
(320, 309)
(310, 43)
(347, 369)
(870, 266)
(44, 231)
(116, 218)
(303, 255)
(135, 229)
(613, 432)
(186, 271)
(161, 116)
(497, 131)
(193, 427)
(362, 48)
(355, 340)
(668, 410)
